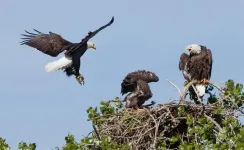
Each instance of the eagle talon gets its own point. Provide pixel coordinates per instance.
(204, 81)
(80, 79)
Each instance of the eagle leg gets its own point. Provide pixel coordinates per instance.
(80, 79)
(204, 81)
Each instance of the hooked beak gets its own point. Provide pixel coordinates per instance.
(188, 48)
(94, 47)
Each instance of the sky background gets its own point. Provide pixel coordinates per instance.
(41, 107)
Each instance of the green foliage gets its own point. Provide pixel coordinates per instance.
(24, 146)
(3, 144)
(220, 129)
(234, 92)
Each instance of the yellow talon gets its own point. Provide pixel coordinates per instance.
(80, 79)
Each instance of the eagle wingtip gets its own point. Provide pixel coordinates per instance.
(112, 20)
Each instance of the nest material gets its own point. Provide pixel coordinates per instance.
(149, 127)
(145, 128)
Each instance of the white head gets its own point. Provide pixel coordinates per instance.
(194, 48)
(91, 45)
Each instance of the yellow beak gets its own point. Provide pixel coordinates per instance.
(94, 47)
(188, 48)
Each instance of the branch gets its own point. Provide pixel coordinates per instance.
(214, 122)
(221, 90)
(195, 90)
(155, 133)
(175, 86)
(183, 95)
(95, 129)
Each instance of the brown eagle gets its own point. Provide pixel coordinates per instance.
(53, 44)
(137, 84)
(197, 66)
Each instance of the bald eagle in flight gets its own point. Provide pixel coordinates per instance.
(137, 84)
(197, 66)
(53, 44)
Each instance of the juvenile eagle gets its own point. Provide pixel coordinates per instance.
(197, 66)
(137, 84)
(53, 44)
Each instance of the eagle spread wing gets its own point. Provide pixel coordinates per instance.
(51, 44)
(89, 36)
(130, 81)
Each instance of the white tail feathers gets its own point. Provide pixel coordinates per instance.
(200, 89)
(62, 63)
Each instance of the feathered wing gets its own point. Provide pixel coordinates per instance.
(130, 81)
(51, 44)
(145, 92)
(183, 66)
(210, 60)
(89, 36)
(139, 95)
(200, 65)
(146, 76)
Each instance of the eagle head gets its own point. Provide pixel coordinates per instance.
(194, 48)
(91, 45)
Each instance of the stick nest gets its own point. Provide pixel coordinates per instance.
(143, 129)
(147, 128)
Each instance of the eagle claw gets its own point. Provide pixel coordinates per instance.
(80, 79)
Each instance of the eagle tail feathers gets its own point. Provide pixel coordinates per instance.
(201, 89)
(62, 63)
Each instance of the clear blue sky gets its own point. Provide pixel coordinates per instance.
(44, 107)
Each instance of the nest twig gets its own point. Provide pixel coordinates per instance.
(143, 130)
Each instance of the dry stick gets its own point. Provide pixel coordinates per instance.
(95, 129)
(195, 90)
(175, 86)
(183, 95)
(222, 91)
(156, 132)
(172, 117)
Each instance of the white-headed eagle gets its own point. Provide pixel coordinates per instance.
(137, 84)
(53, 44)
(197, 66)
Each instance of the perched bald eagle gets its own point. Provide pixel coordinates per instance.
(53, 44)
(197, 66)
(137, 84)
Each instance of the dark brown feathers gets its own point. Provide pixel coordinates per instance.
(197, 66)
(183, 66)
(137, 83)
(129, 81)
(184, 58)
(146, 76)
(141, 93)
(51, 44)
(89, 36)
